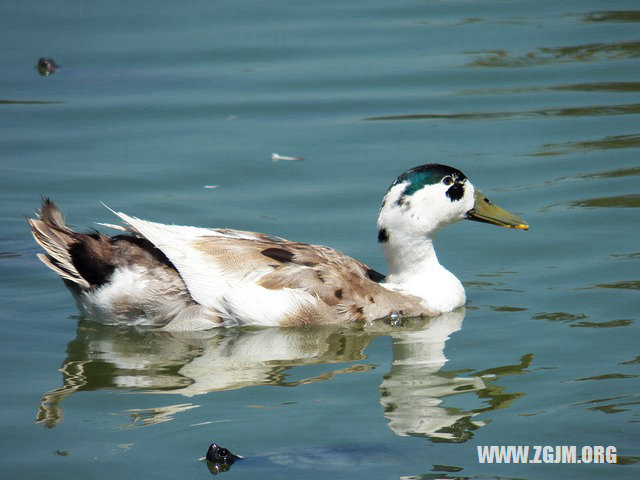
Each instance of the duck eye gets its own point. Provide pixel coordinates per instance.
(447, 180)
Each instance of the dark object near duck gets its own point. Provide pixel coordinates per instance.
(47, 66)
(219, 459)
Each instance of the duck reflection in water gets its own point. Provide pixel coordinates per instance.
(195, 363)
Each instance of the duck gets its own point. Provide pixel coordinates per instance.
(179, 277)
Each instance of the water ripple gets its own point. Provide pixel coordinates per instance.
(615, 87)
(29, 102)
(617, 201)
(606, 143)
(624, 285)
(552, 55)
(587, 111)
(623, 16)
(606, 376)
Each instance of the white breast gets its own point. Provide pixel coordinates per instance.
(438, 288)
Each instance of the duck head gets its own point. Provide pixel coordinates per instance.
(429, 197)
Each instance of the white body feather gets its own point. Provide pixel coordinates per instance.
(234, 300)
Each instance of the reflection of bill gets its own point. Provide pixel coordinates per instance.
(195, 363)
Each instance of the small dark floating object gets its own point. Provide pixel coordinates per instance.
(47, 66)
(219, 459)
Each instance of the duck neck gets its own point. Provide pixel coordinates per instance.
(410, 258)
(414, 269)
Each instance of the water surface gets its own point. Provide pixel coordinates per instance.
(536, 101)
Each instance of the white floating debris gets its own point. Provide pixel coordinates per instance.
(211, 186)
(275, 157)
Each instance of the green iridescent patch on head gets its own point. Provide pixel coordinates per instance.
(429, 174)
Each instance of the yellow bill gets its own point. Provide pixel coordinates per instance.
(485, 211)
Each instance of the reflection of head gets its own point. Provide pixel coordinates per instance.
(413, 392)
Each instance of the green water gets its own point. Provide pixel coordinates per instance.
(536, 101)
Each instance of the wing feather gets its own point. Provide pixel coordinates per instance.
(223, 278)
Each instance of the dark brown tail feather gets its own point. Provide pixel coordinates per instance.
(86, 260)
(50, 231)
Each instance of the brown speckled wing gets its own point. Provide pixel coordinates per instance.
(349, 288)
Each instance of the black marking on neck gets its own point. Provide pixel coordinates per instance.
(373, 275)
(456, 191)
(383, 235)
